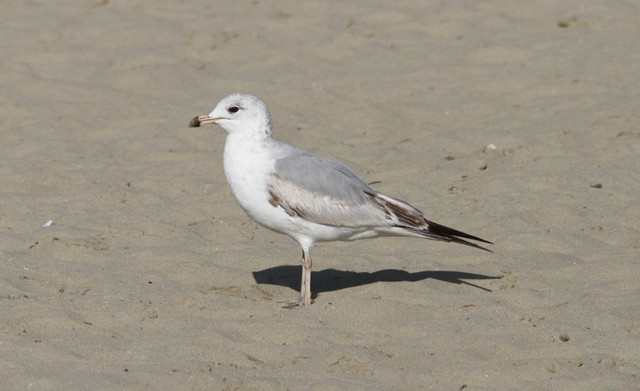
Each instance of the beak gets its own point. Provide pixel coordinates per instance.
(202, 120)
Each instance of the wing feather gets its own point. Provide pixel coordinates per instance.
(323, 207)
(326, 192)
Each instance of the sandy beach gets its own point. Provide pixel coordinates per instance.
(126, 263)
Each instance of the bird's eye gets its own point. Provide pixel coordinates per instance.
(233, 109)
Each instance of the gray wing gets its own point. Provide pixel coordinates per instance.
(327, 192)
(322, 176)
(323, 191)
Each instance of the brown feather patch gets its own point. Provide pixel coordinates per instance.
(272, 200)
(408, 217)
(376, 201)
(276, 201)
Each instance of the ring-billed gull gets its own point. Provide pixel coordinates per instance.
(311, 199)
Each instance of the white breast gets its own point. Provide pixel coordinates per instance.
(247, 165)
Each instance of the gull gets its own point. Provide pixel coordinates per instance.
(311, 199)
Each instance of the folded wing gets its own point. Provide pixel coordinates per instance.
(326, 192)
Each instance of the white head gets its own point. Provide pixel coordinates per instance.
(239, 114)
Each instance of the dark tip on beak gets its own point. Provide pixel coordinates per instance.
(195, 123)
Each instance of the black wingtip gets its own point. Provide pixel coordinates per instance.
(454, 239)
(453, 235)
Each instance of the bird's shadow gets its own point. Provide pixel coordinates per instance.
(329, 280)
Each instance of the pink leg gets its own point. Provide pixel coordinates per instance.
(305, 285)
